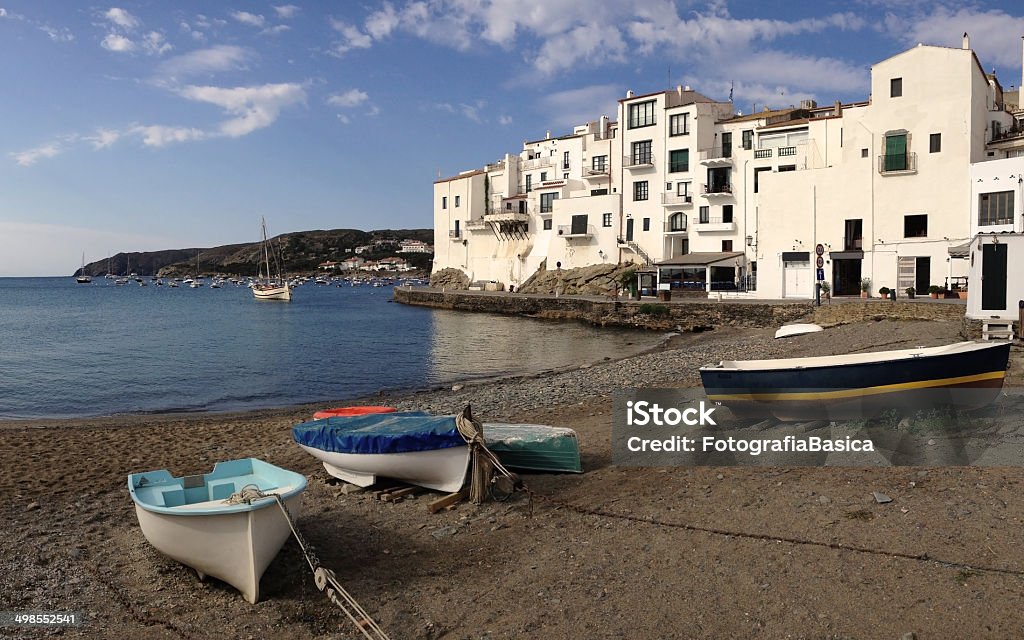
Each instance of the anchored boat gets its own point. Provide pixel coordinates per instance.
(966, 375)
(209, 523)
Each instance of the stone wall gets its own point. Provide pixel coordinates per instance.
(695, 315)
(853, 311)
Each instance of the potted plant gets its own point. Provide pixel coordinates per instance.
(628, 280)
(962, 294)
(865, 287)
(911, 292)
(934, 291)
(826, 290)
(884, 292)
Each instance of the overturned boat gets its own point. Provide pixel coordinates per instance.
(212, 522)
(966, 375)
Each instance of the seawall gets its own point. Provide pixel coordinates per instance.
(685, 315)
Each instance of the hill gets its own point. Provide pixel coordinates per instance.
(302, 251)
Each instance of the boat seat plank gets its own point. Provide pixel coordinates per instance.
(206, 504)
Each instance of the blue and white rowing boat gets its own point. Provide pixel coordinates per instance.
(203, 521)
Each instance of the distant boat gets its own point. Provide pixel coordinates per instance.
(195, 284)
(200, 521)
(266, 286)
(82, 277)
(966, 375)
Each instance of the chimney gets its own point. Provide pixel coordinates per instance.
(686, 88)
(547, 136)
(679, 90)
(967, 41)
(837, 109)
(603, 127)
(629, 94)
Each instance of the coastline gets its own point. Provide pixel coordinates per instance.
(74, 544)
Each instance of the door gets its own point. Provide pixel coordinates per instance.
(896, 153)
(993, 277)
(726, 145)
(629, 229)
(796, 279)
(922, 279)
(846, 277)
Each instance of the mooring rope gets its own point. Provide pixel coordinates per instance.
(324, 578)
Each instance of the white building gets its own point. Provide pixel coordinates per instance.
(725, 200)
(996, 251)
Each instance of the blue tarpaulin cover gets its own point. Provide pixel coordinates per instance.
(380, 433)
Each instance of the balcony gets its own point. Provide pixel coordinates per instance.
(454, 234)
(601, 173)
(669, 199)
(763, 153)
(677, 226)
(495, 166)
(548, 184)
(567, 231)
(855, 243)
(716, 223)
(897, 163)
(718, 190)
(506, 215)
(642, 161)
(538, 163)
(787, 151)
(477, 225)
(715, 157)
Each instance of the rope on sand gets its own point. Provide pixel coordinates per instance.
(484, 461)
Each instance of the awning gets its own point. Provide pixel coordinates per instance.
(846, 255)
(701, 259)
(960, 250)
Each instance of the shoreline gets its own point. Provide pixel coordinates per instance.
(585, 561)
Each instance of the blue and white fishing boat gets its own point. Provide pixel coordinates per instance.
(416, 447)
(964, 376)
(215, 522)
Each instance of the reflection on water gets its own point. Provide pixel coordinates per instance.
(467, 344)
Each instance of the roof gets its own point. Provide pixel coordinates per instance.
(770, 113)
(468, 174)
(789, 123)
(700, 259)
(695, 95)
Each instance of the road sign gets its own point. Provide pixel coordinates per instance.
(819, 262)
(819, 249)
(821, 274)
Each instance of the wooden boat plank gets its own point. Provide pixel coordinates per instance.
(449, 500)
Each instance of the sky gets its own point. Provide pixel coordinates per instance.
(150, 125)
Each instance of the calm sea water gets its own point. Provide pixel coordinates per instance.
(86, 350)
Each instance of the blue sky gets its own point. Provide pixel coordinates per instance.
(153, 125)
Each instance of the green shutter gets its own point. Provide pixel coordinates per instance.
(896, 153)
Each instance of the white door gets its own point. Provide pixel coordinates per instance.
(796, 279)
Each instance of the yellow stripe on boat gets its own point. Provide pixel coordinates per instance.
(855, 393)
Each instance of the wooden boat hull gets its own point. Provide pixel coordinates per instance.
(272, 293)
(233, 543)
(534, 447)
(964, 376)
(438, 469)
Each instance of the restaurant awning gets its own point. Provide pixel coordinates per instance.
(701, 259)
(960, 250)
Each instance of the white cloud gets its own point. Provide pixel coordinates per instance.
(219, 58)
(352, 38)
(3, 12)
(374, 111)
(995, 34)
(350, 98)
(275, 30)
(344, 119)
(61, 34)
(122, 18)
(154, 44)
(504, 120)
(103, 138)
(29, 157)
(252, 107)
(160, 135)
(117, 43)
(251, 19)
(286, 11)
(576, 106)
(594, 43)
(469, 111)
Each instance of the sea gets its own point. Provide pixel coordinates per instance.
(81, 350)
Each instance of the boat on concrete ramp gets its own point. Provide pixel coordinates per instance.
(962, 376)
(226, 524)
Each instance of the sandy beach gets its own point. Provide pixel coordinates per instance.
(612, 553)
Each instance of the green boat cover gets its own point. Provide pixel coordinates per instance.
(534, 447)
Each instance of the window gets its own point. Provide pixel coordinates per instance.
(748, 139)
(727, 145)
(682, 188)
(565, 161)
(757, 175)
(444, 202)
(895, 152)
(647, 224)
(565, 176)
(642, 152)
(726, 246)
(935, 143)
(547, 224)
(854, 238)
(677, 222)
(457, 200)
(641, 114)
(547, 202)
(579, 224)
(599, 163)
(727, 213)
(705, 215)
(606, 219)
(543, 176)
(599, 192)
(529, 181)
(787, 167)
(864, 152)
(678, 160)
(896, 87)
(457, 228)
(640, 190)
(995, 208)
(679, 125)
(915, 226)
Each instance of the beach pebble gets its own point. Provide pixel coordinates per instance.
(32, 506)
(824, 500)
(881, 498)
(444, 532)
(458, 387)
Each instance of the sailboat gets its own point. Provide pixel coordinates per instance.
(195, 284)
(267, 288)
(82, 277)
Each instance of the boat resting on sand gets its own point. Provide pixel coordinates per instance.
(966, 375)
(194, 520)
(788, 330)
(427, 450)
